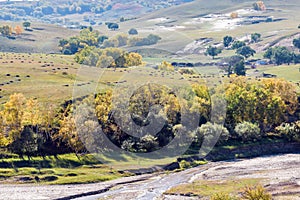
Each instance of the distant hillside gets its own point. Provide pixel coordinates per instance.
(180, 26)
(86, 12)
(42, 38)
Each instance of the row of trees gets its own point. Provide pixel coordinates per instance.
(281, 55)
(123, 40)
(8, 31)
(108, 57)
(253, 109)
(89, 37)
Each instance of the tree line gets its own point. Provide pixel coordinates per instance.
(254, 109)
(90, 37)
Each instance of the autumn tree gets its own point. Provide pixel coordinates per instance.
(259, 6)
(13, 116)
(6, 30)
(18, 30)
(264, 103)
(20, 121)
(133, 59)
(68, 134)
(166, 66)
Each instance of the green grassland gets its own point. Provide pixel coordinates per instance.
(69, 169)
(209, 188)
(54, 78)
(65, 169)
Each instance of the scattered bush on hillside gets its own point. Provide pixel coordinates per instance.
(255, 193)
(132, 31)
(223, 196)
(149, 40)
(255, 37)
(166, 66)
(248, 193)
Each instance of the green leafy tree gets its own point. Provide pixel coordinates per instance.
(213, 51)
(132, 31)
(113, 26)
(227, 40)
(238, 44)
(232, 63)
(26, 25)
(279, 55)
(296, 43)
(255, 37)
(102, 38)
(268, 54)
(239, 68)
(26, 143)
(246, 51)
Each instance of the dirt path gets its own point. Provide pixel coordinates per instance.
(281, 172)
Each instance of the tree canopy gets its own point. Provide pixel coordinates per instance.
(246, 51)
(213, 51)
(227, 40)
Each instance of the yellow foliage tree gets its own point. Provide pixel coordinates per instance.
(18, 113)
(68, 134)
(13, 115)
(103, 103)
(265, 102)
(133, 59)
(259, 5)
(234, 15)
(166, 66)
(18, 30)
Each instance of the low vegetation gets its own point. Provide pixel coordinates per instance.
(217, 189)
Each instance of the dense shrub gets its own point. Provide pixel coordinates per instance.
(210, 132)
(290, 131)
(222, 196)
(248, 131)
(255, 193)
(133, 31)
